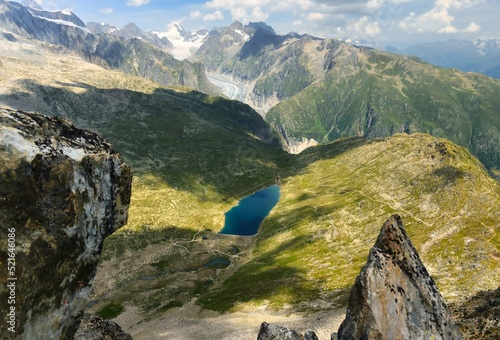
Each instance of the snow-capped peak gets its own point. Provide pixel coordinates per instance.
(185, 43)
(174, 32)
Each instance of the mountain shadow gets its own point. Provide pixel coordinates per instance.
(190, 140)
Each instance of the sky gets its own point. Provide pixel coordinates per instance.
(385, 22)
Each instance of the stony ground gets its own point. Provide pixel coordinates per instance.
(191, 323)
(479, 316)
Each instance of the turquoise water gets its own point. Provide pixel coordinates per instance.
(245, 218)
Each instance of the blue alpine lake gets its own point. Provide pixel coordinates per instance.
(245, 218)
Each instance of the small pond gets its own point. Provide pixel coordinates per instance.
(245, 218)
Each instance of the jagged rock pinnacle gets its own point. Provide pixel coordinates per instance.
(394, 296)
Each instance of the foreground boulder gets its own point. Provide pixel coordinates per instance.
(93, 327)
(478, 316)
(276, 332)
(394, 296)
(62, 191)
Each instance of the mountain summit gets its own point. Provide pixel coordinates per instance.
(184, 43)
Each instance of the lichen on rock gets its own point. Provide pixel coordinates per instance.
(394, 297)
(63, 190)
(93, 327)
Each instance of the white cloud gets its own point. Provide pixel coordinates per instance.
(315, 16)
(106, 10)
(239, 13)
(472, 28)
(447, 29)
(372, 20)
(248, 10)
(217, 15)
(195, 14)
(367, 27)
(432, 21)
(258, 15)
(440, 19)
(137, 3)
(236, 3)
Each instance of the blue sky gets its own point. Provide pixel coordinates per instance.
(396, 22)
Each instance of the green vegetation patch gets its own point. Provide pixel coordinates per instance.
(111, 310)
(317, 238)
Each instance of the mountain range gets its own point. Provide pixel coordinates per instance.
(63, 29)
(130, 31)
(481, 55)
(194, 155)
(316, 90)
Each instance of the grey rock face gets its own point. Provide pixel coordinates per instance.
(276, 332)
(63, 190)
(394, 296)
(310, 335)
(93, 327)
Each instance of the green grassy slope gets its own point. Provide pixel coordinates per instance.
(316, 240)
(188, 139)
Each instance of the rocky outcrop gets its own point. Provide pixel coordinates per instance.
(63, 190)
(394, 296)
(276, 332)
(478, 316)
(93, 327)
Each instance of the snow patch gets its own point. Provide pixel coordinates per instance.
(245, 36)
(65, 23)
(184, 44)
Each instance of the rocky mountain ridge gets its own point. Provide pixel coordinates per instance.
(393, 297)
(134, 56)
(318, 90)
(131, 31)
(184, 44)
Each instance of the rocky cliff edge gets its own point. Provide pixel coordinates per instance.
(63, 190)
